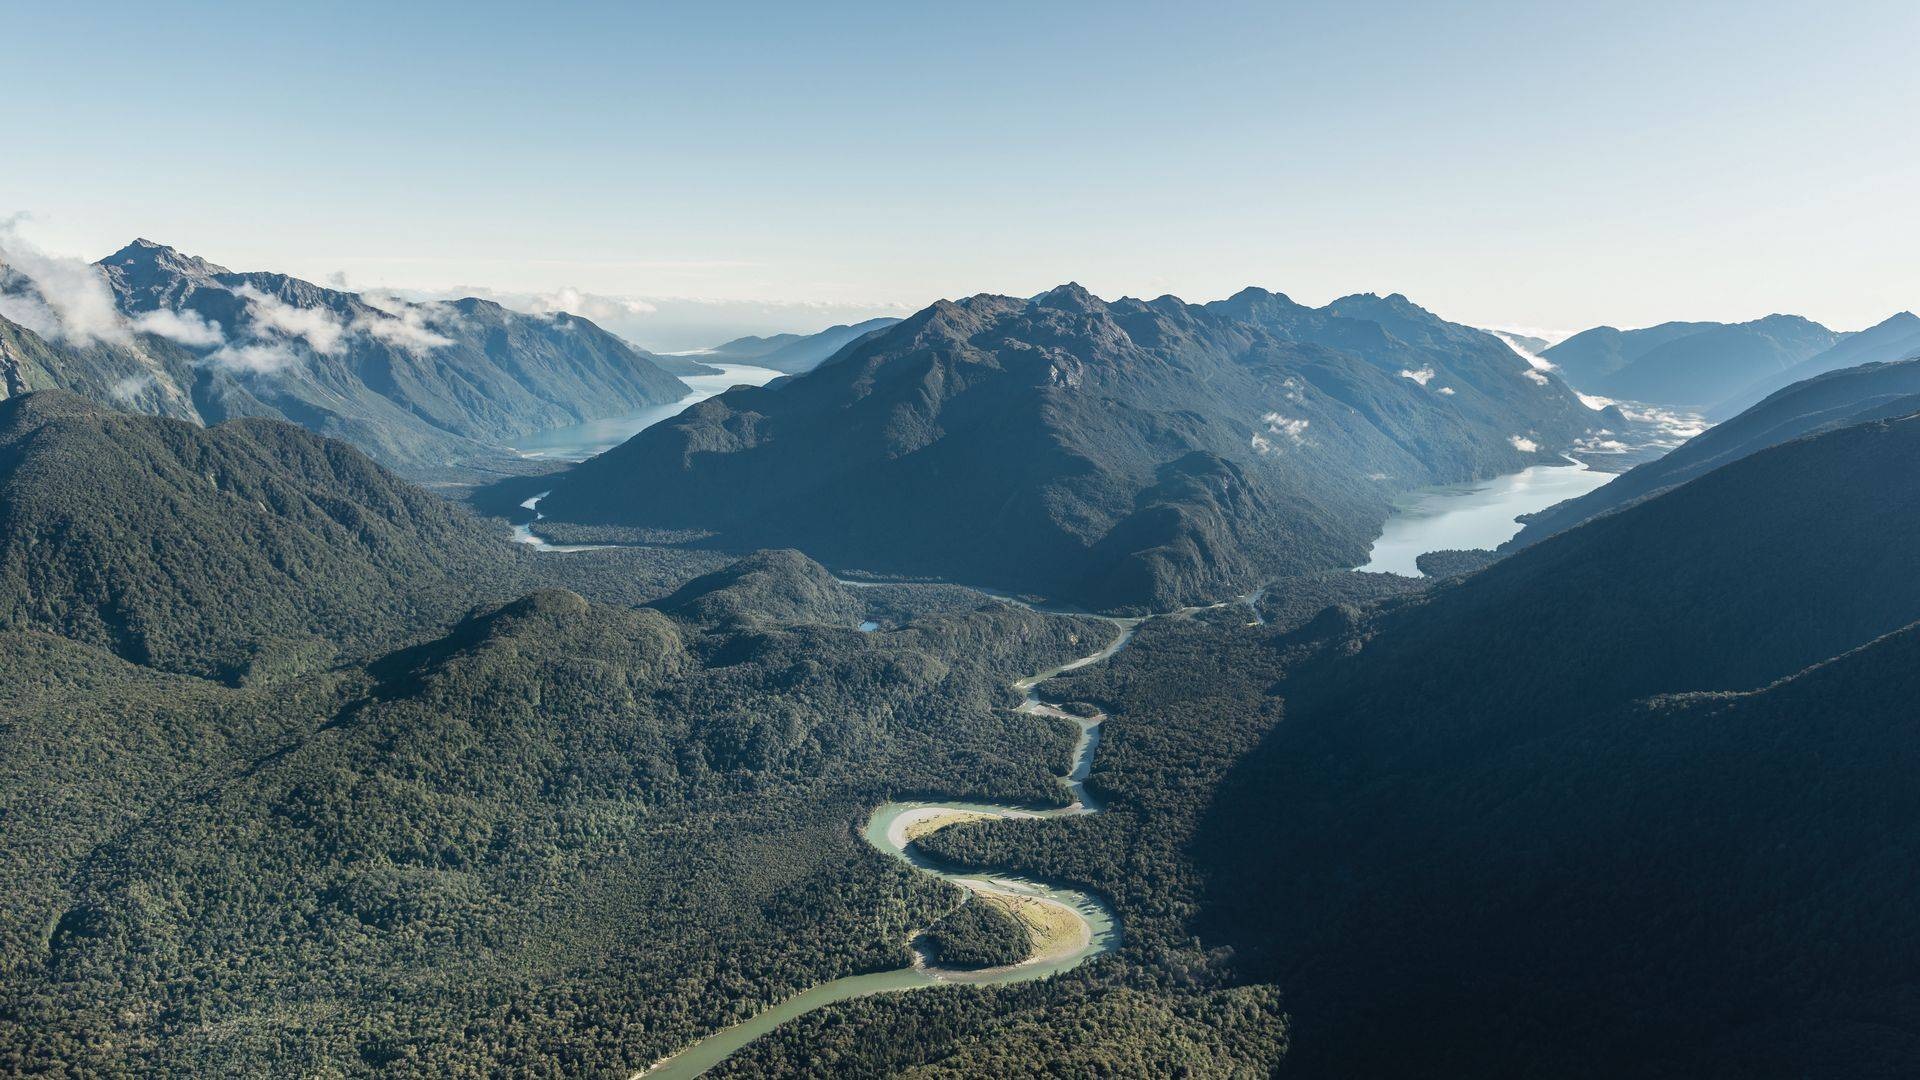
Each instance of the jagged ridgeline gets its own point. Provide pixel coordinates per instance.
(416, 385)
(1129, 454)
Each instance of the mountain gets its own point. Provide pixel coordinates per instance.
(1832, 400)
(1687, 364)
(795, 353)
(1591, 356)
(415, 385)
(1490, 838)
(140, 372)
(1896, 338)
(1528, 342)
(1132, 454)
(212, 551)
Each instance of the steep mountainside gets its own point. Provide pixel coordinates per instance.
(1896, 338)
(795, 353)
(208, 550)
(1835, 399)
(140, 372)
(1472, 845)
(1128, 454)
(416, 385)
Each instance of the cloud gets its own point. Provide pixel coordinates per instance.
(1536, 376)
(129, 388)
(184, 327)
(679, 324)
(1523, 444)
(589, 305)
(399, 323)
(259, 358)
(1447, 390)
(55, 296)
(1295, 390)
(319, 327)
(1534, 361)
(1423, 376)
(1283, 426)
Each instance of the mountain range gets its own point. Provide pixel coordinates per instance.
(1831, 400)
(417, 385)
(794, 353)
(1125, 454)
(1895, 338)
(1692, 365)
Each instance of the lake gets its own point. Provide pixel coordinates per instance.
(1479, 515)
(579, 442)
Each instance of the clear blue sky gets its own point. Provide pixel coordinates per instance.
(1501, 163)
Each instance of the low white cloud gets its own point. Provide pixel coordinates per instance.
(399, 323)
(1286, 427)
(256, 358)
(1535, 361)
(673, 324)
(1447, 390)
(184, 327)
(1523, 444)
(55, 296)
(129, 388)
(1423, 376)
(1295, 390)
(319, 327)
(1263, 445)
(1536, 376)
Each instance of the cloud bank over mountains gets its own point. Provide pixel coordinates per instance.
(678, 324)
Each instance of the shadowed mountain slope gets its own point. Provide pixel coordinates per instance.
(1474, 844)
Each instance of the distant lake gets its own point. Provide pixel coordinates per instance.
(1478, 515)
(581, 441)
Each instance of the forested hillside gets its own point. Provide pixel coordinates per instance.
(561, 837)
(208, 550)
(1125, 455)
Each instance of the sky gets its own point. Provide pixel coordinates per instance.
(695, 170)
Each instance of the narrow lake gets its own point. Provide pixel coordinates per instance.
(581, 441)
(1479, 515)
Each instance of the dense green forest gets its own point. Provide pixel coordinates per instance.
(563, 838)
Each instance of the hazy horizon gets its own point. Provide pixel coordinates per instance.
(699, 175)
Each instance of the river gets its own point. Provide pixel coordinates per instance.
(1079, 924)
(579, 442)
(1477, 515)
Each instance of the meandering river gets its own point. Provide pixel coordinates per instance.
(1073, 925)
